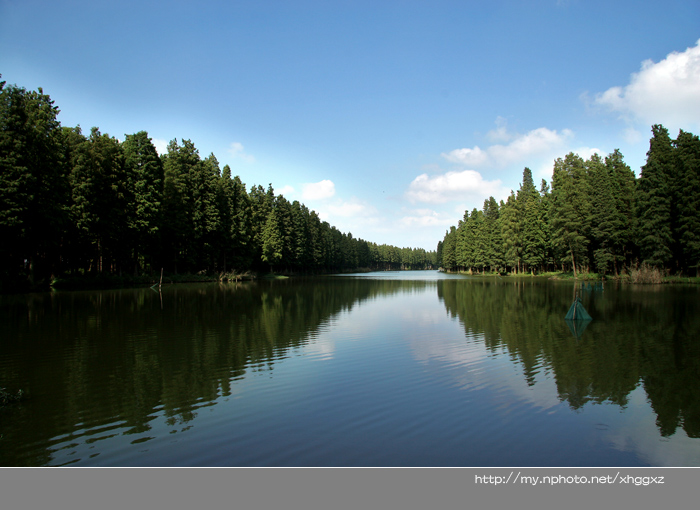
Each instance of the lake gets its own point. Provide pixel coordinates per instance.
(376, 369)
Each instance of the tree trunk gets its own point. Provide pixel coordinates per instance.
(573, 261)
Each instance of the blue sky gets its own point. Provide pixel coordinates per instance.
(387, 118)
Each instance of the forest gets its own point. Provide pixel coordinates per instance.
(75, 204)
(597, 217)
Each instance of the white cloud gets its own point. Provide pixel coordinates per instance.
(352, 216)
(160, 145)
(318, 190)
(350, 208)
(236, 150)
(537, 142)
(285, 190)
(500, 134)
(469, 157)
(453, 186)
(425, 218)
(667, 92)
(587, 152)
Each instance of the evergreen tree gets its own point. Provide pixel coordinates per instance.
(302, 239)
(449, 246)
(478, 227)
(272, 240)
(603, 213)
(570, 213)
(532, 228)
(178, 226)
(224, 235)
(144, 171)
(438, 252)
(623, 184)
(100, 199)
(204, 176)
(241, 224)
(492, 235)
(464, 243)
(511, 233)
(261, 204)
(687, 164)
(33, 184)
(653, 201)
(545, 223)
(74, 203)
(283, 210)
(316, 245)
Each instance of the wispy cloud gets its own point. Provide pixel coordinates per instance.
(352, 208)
(453, 186)
(501, 133)
(587, 152)
(318, 190)
(237, 150)
(666, 92)
(419, 218)
(351, 215)
(285, 190)
(537, 142)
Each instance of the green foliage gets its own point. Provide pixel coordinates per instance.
(654, 196)
(533, 228)
(100, 198)
(598, 216)
(72, 204)
(449, 256)
(95, 208)
(622, 183)
(33, 185)
(511, 228)
(493, 238)
(603, 215)
(571, 211)
(178, 207)
(687, 224)
(144, 171)
(273, 242)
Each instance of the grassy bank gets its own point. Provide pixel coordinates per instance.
(109, 281)
(638, 275)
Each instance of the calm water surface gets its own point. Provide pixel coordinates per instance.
(381, 369)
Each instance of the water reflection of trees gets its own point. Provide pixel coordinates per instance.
(644, 335)
(97, 363)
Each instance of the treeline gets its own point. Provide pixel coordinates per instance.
(72, 203)
(597, 217)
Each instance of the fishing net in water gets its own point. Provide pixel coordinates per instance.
(577, 312)
(577, 318)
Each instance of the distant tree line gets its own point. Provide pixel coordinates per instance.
(596, 217)
(72, 203)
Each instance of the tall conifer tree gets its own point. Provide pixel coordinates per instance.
(603, 213)
(623, 184)
(144, 170)
(687, 164)
(511, 233)
(653, 201)
(33, 183)
(570, 213)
